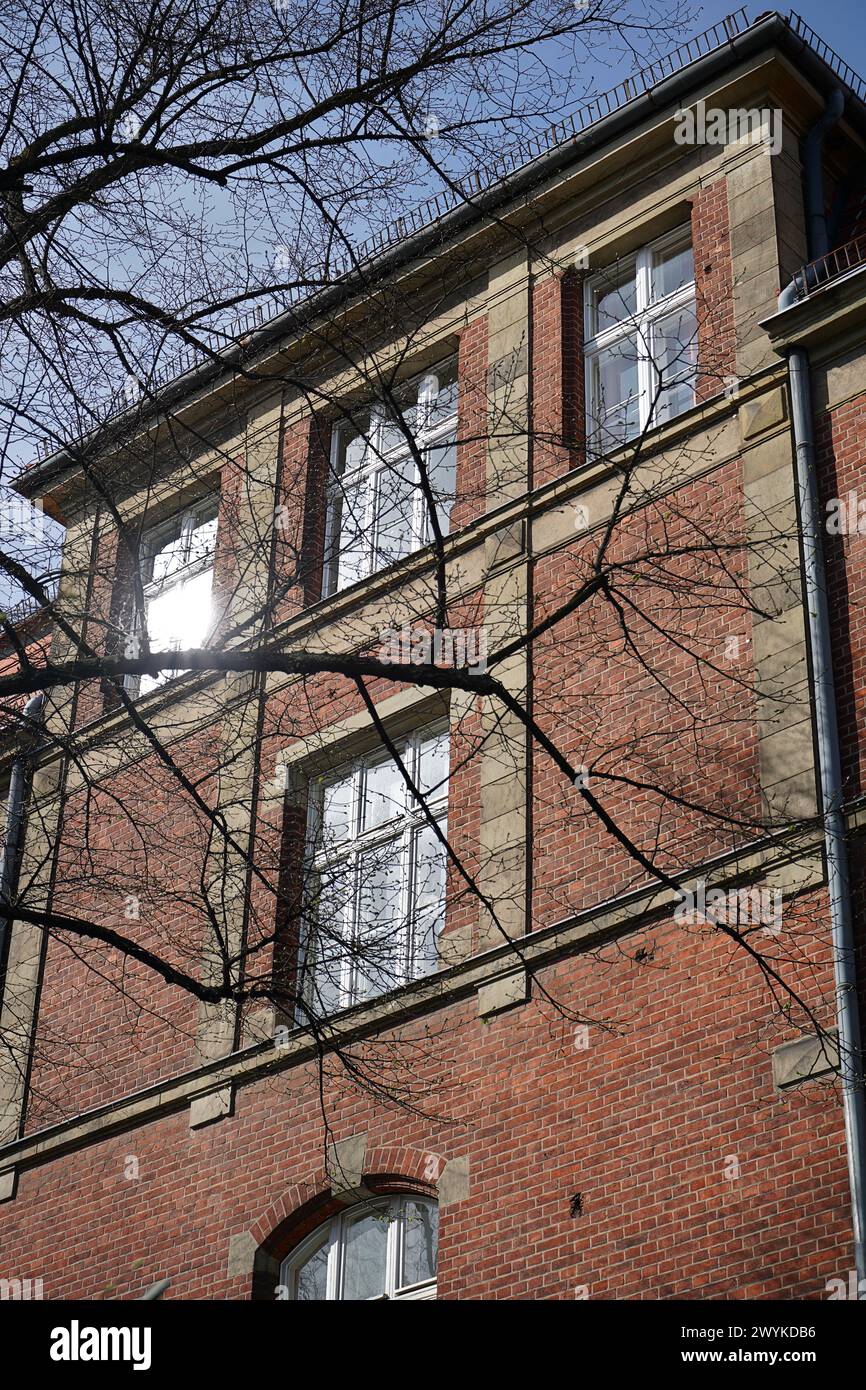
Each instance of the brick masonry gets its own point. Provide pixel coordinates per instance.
(642, 1122)
(634, 1147)
(558, 391)
(714, 289)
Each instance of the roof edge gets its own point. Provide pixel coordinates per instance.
(769, 30)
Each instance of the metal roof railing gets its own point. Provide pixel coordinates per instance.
(828, 55)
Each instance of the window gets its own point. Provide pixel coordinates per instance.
(384, 1249)
(377, 875)
(641, 341)
(177, 577)
(377, 512)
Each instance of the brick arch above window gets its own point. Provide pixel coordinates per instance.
(422, 1168)
(302, 1201)
(308, 1204)
(385, 1169)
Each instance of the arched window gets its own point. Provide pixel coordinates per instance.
(380, 1249)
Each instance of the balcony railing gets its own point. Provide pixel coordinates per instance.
(831, 267)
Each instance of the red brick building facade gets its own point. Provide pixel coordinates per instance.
(608, 1101)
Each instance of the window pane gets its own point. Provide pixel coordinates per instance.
(615, 392)
(351, 443)
(617, 425)
(380, 938)
(330, 910)
(180, 617)
(160, 623)
(441, 461)
(311, 1280)
(336, 811)
(392, 434)
(443, 403)
(394, 490)
(675, 355)
(384, 795)
(429, 898)
(615, 298)
(420, 1242)
(350, 560)
(365, 1255)
(433, 770)
(166, 553)
(203, 538)
(672, 269)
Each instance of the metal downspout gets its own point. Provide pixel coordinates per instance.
(813, 174)
(832, 803)
(824, 695)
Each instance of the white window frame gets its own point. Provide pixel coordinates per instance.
(402, 829)
(155, 588)
(641, 324)
(332, 1234)
(377, 463)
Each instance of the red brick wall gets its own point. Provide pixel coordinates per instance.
(645, 712)
(464, 819)
(471, 483)
(107, 1024)
(641, 1116)
(646, 1115)
(300, 535)
(714, 290)
(841, 445)
(558, 392)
